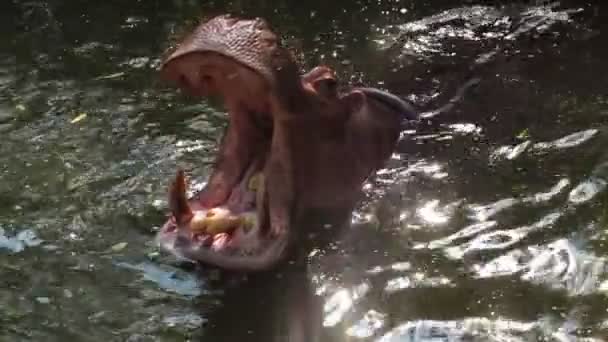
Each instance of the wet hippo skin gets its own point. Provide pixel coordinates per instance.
(313, 143)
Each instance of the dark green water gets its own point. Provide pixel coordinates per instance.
(487, 225)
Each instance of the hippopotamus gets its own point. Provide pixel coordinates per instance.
(295, 143)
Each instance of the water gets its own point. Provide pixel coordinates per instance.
(488, 224)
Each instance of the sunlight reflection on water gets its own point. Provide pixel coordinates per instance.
(450, 264)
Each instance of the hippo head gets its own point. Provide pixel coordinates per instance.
(242, 62)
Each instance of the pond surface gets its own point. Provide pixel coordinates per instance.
(488, 224)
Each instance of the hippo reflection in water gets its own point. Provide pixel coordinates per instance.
(294, 144)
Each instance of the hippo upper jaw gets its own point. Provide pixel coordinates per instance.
(211, 74)
(250, 43)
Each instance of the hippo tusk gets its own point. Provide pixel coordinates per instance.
(178, 203)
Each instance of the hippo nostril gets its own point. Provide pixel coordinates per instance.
(183, 81)
(206, 80)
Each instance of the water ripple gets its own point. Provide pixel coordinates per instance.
(416, 280)
(485, 212)
(18, 243)
(587, 190)
(500, 239)
(431, 213)
(465, 232)
(559, 265)
(509, 152)
(171, 280)
(367, 326)
(474, 329)
(424, 37)
(341, 302)
(541, 197)
(569, 141)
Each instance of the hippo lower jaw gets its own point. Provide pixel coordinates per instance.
(243, 247)
(269, 252)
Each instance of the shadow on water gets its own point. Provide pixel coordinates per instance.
(488, 224)
(282, 306)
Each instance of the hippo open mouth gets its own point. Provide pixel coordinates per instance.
(227, 224)
(293, 142)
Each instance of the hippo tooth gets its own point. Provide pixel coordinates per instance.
(219, 241)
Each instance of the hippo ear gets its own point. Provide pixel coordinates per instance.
(355, 100)
(323, 80)
(178, 203)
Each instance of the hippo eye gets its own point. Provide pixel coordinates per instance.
(326, 87)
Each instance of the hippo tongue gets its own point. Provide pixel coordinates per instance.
(219, 241)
